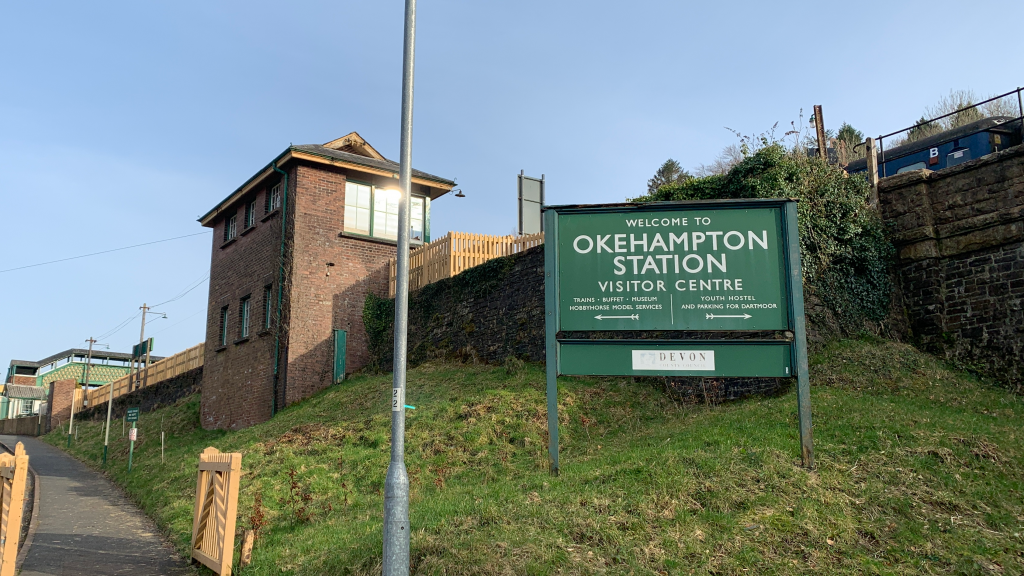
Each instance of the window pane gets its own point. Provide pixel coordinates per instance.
(357, 203)
(392, 226)
(416, 219)
(363, 216)
(380, 224)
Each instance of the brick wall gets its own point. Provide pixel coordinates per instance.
(332, 275)
(959, 234)
(59, 401)
(238, 378)
(23, 380)
(327, 278)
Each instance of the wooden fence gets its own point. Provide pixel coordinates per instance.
(153, 374)
(456, 252)
(13, 471)
(213, 520)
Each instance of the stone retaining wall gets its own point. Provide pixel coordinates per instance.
(496, 310)
(960, 237)
(150, 398)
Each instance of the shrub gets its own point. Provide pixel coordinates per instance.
(846, 255)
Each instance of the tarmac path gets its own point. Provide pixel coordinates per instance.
(86, 526)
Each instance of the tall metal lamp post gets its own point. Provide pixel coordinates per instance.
(396, 486)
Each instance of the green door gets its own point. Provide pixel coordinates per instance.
(340, 337)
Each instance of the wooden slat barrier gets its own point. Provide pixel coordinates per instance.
(213, 520)
(456, 252)
(13, 471)
(153, 374)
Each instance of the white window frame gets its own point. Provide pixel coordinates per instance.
(373, 229)
(231, 227)
(250, 214)
(274, 198)
(244, 314)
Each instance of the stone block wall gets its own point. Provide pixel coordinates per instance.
(496, 310)
(150, 398)
(487, 313)
(959, 233)
(26, 426)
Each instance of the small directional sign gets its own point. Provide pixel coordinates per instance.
(132, 415)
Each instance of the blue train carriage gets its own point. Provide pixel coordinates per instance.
(947, 148)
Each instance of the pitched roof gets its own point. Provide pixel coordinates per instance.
(382, 162)
(354, 143)
(350, 151)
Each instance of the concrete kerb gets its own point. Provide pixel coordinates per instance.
(33, 523)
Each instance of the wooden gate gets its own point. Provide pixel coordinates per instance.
(13, 471)
(213, 524)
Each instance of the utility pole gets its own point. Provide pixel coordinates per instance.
(396, 485)
(142, 336)
(110, 407)
(870, 155)
(88, 365)
(819, 125)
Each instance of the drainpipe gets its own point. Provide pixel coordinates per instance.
(280, 287)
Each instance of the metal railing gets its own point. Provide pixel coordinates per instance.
(881, 139)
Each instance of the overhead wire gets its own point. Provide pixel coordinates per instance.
(101, 252)
(119, 327)
(178, 322)
(182, 294)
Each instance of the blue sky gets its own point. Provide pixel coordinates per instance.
(122, 122)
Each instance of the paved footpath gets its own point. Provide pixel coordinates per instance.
(86, 526)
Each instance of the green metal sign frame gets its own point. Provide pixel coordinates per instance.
(132, 415)
(715, 265)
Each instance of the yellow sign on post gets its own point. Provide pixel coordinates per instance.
(213, 524)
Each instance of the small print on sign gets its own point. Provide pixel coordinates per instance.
(397, 399)
(673, 359)
(133, 434)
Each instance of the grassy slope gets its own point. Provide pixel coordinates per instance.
(920, 470)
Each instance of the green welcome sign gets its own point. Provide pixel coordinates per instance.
(687, 268)
(682, 267)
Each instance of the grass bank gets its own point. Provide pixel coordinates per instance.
(920, 470)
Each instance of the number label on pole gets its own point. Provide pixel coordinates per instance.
(397, 399)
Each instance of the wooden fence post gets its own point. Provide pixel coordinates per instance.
(13, 471)
(214, 516)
